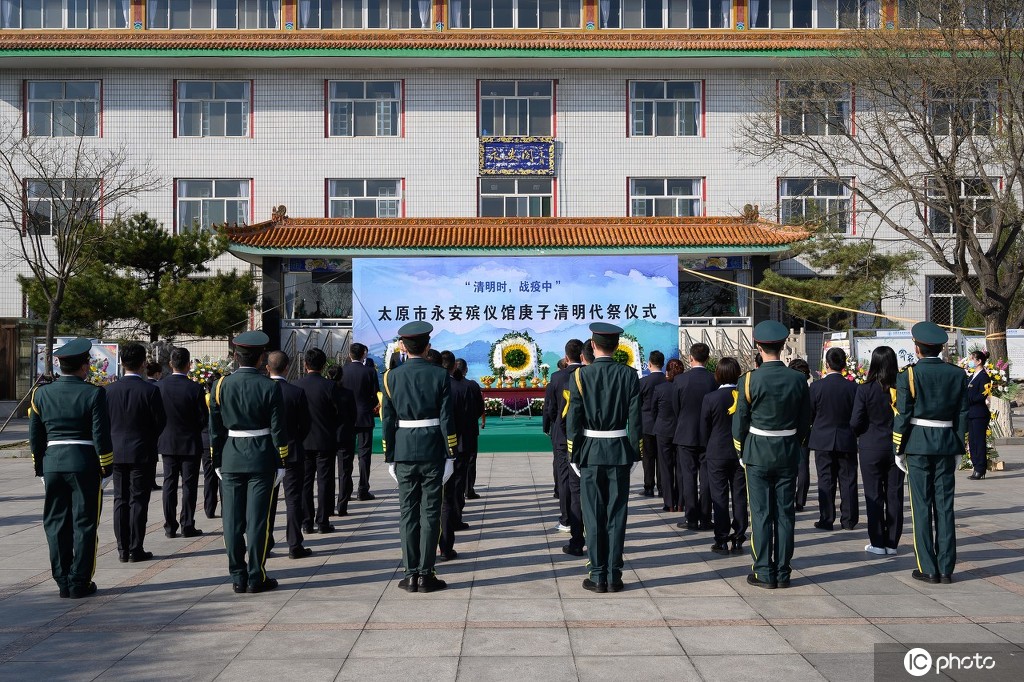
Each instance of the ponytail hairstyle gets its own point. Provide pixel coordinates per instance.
(460, 369)
(980, 355)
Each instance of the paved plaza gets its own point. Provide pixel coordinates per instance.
(514, 609)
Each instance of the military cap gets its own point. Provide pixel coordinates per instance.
(929, 334)
(78, 346)
(605, 329)
(253, 339)
(770, 331)
(413, 329)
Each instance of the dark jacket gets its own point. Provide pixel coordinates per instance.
(663, 409)
(327, 408)
(185, 406)
(136, 419)
(976, 406)
(691, 387)
(467, 408)
(716, 424)
(647, 386)
(831, 407)
(296, 416)
(361, 380)
(554, 406)
(872, 415)
(417, 391)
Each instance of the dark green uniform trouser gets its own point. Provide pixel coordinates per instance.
(604, 494)
(419, 498)
(71, 512)
(932, 481)
(770, 497)
(247, 505)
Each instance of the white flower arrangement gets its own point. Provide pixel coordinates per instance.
(629, 352)
(517, 354)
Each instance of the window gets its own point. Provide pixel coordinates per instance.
(185, 14)
(660, 197)
(665, 108)
(64, 13)
(365, 14)
(813, 200)
(63, 108)
(364, 108)
(947, 304)
(516, 197)
(978, 14)
(814, 108)
(514, 13)
(516, 108)
(666, 13)
(973, 203)
(213, 108)
(205, 203)
(52, 201)
(970, 112)
(364, 198)
(815, 13)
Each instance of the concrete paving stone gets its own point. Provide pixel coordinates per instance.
(731, 639)
(833, 639)
(194, 644)
(165, 671)
(1011, 632)
(13, 576)
(646, 668)
(514, 610)
(36, 610)
(517, 668)
(498, 642)
(639, 641)
(98, 645)
(872, 585)
(308, 643)
(779, 604)
(842, 667)
(53, 671)
(510, 587)
(789, 667)
(248, 610)
(896, 606)
(705, 608)
(602, 608)
(306, 670)
(983, 605)
(413, 643)
(416, 610)
(951, 633)
(325, 611)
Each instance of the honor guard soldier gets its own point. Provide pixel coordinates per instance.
(419, 436)
(603, 431)
(249, 443)
(69, 434)
(772, 420)
(928, 433)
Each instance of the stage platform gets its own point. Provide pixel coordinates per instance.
(501, 434)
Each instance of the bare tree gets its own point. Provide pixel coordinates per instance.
(54, 194)
(935, 149)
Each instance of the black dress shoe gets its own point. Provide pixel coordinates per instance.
(975, 476)
(238, 588)
(64, 592)
(925, 577)
(300, 553)
(722, 549)
(616, 586)
(574, 551)
(705, 526)
(471, 495)
(850, 526)
(648, 492)
(307, 530)
(171, 533)
(821, 525)
(688, 526)
(325, 529)
(591, 586)
(136, 557)
(211, 516)
(84, 591)
(757, 582)
(265, 586)
(342, 511)
(122, 557)
(448, 556)
(664, 507)
(191, 533)
(783, 584)
(462, 525)
(410, 583)
(946, 579)
(431, 583)
(799, 507)
(366, 497)
(737, 548)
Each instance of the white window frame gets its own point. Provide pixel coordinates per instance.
(970, 193)
(910, 16)
(658, 14)
(644, 108)
(40, 193)
(213, 109)
(219, 192)
(981, 125)
(824, 14)
(65, 14)
(670, 201)
(835, 206)
(516, 100)
(524, 202)
(242, 15)
(523, 14)
(819, 107)
(35, 106)
(389, 204)
(356, 14)
(341, 111)
(949, 300)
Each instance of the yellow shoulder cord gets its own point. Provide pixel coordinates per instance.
(387, 389)
(746, 389)
(220, 384)
(910, 379)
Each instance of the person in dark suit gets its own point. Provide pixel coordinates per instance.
(978, 415)
(466, 412)
(361, 382)
(136, 420)
(655, 361)
(154, 373)
(803, 476)
(568, 482)
(326, 411)
(691, 466)
(871, 421)
(469, 431)
(346, 442)
(398, 357)
(211, 483)
(470, 492)
(834, 444)
(663, 412)
(725, 475)
(296, 414)
(181, 444)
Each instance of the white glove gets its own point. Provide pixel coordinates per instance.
(575, 468)
(217, 471)
(105, 482)
(391, 470)
(901, 463)
(742, 464)
(632, 467)
(449, 469)
(43, 481)
(280, 477)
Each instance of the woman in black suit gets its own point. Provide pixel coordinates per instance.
(871, 421)
(978, 414)
(663, 412)
(725, 475)
(803, 474)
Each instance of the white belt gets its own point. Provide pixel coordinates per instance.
(70, 442)
(248, 434)
(772, 434)
(618, 433)
(931, 423)
(417, 423)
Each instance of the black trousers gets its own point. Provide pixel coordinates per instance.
(320, 468)
(211, 486)
(471, 474)
(346, 457)
(671, 493)
(466, 457)
(364, 448)
(560, 464)
(291, 489)
(837, 470)
(976, 428)
(803, 477)
(451, 512)
(569, 490)
(187, 468)
(727, 481)
(883, 497)
(691, 468)
(133, 484)
(650, 463)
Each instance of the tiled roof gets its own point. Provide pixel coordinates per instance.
(395, 234)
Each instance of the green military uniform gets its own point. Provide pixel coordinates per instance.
(248, 444)
(69, 434)
(419, 435)
(771, 423)
(928, 431)
(603, 431)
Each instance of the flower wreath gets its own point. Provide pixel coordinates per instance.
(517, 352)
(629, 352)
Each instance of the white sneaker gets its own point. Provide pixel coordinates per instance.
(875, 550)
(891, 551)
(562, 529)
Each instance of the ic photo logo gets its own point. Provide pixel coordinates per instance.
(918, 662)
